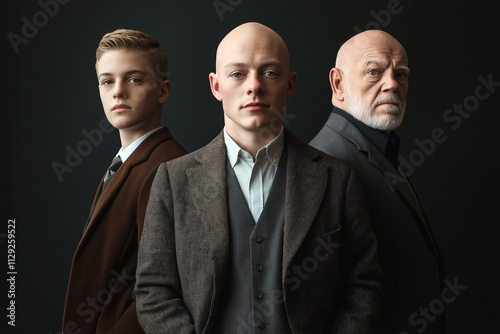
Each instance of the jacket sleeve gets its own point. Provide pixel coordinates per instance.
(160, 307)
(360, 276)
(128, 323)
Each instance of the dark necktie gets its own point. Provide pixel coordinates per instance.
(115, 164)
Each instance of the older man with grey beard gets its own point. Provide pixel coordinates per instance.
(369, 85)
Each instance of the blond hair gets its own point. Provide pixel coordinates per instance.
(126, 39)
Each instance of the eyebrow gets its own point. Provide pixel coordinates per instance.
(403, 68)
(383, 64)
(126, 73)
(266, 64)
(377, 62)
(235, 65)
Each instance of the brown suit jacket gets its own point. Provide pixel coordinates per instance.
(331, 278)
(100, 291)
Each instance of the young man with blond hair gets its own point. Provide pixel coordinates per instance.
(131, 70)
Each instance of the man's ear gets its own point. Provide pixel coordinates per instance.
(164, 92)
(292, 80)
(214, 86)
(337, 84)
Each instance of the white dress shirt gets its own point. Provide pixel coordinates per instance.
(124, 154)
(255, 178)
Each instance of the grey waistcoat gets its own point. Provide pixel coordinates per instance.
(252, 300)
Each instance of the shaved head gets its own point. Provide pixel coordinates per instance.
(253, 81)
(252, 36)
(370, 79)
(352, 50)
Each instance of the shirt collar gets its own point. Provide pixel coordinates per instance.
(387, 143)
(125, 153)
(272, 150)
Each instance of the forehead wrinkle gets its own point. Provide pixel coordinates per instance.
(383, 58)
(376, 42)
(377, 62)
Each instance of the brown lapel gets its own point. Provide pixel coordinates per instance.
(141, 154)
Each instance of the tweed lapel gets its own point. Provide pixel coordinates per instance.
(396, 181)
(305, 188)
(207, 188)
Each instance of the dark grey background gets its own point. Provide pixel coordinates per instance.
(49, 96)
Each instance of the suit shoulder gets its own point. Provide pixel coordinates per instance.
(330, 161)
(309, 152)
(214, 148)
(166, 150)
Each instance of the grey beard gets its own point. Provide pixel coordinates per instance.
(392, 120)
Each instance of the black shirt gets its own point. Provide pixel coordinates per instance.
(386, 142)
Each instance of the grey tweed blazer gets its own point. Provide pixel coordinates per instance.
(331, 279)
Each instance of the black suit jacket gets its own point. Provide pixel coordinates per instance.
(409, 255)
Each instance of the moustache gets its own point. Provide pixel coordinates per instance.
(393, 98)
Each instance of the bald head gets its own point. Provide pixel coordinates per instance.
(370, 79)
(353, 50)
(253, 81)
(251, 37)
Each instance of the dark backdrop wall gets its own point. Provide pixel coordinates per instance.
(51, 106)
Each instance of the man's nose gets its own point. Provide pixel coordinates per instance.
(120, 90)
(254, 83)
(389, 82)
